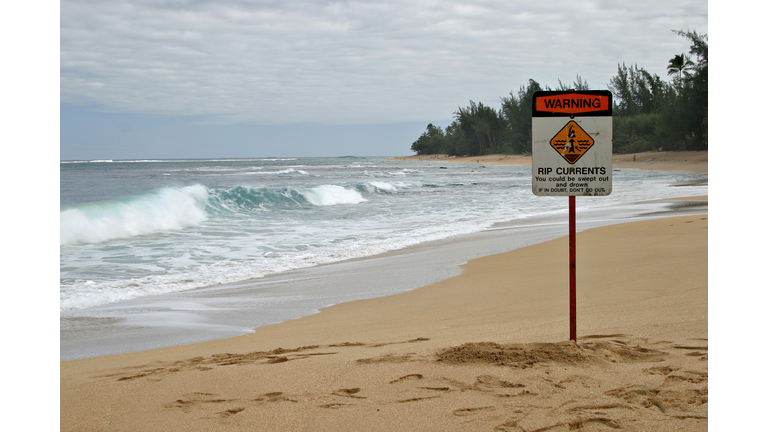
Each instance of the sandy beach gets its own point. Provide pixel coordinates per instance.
(486, 350)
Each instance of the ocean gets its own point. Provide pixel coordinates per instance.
(156, 253)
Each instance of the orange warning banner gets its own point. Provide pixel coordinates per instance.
(573, 103)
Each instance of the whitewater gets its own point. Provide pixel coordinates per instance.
(142, 241)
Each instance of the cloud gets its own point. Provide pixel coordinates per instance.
(347, 62)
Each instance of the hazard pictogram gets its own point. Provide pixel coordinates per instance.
(572, 142)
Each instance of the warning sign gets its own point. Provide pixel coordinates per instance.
(572, 142)
(572, 134)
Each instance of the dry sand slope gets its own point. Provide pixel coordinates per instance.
(607, 382)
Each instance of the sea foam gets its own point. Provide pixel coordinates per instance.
(327, 195)
(383, 186)
(158, 210)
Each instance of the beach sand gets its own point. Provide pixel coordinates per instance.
(486, 350)
(684, 161)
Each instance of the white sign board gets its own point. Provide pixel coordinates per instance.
(572, 143)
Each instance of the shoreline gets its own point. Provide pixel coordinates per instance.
(354, 360)
(233, 309)
(684, 161)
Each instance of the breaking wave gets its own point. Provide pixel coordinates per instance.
(159, 210)
(170, 209)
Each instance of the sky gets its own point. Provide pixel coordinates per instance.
(239, 78)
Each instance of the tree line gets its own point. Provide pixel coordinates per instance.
(649, 113)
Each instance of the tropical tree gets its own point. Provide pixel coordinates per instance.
(482, 127)
(637, 91)
(693, 93)
(699, 46)
(431, 141)
(680, 65)
(577, 85)
(516, 111)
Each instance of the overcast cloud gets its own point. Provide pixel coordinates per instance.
(350, 62)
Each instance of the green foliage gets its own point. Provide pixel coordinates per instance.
(430, 142)
(680, 65)
(636, 91)
(482, 129)
(516, 111)
(479, 129)
(649, 113)
(635, 134)
(693, 94)
(579, 84)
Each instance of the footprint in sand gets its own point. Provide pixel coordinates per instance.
(491, 381)
(471, 411)
(416, 399)
(350, 392)
(273, 397)
(408, 377)
(193, 400)
(231, 411)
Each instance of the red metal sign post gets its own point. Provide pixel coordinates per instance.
(572, 260)
(572, 142)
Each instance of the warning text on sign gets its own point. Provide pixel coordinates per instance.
(572, 184)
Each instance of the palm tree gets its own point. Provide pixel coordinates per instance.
(679, 64)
